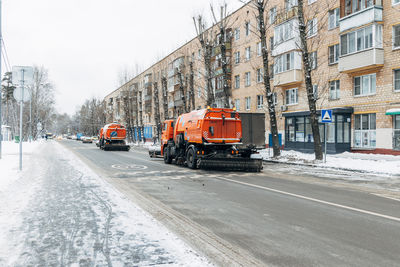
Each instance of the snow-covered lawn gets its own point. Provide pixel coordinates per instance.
(384, 164)
(58, 212)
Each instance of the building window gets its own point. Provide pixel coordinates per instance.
(289, 4)
(396, 36)
(334, 16)
(247, 79)
(259, 49)
(220, 82)
(361, 39)
(334, 89)
(315, 91)
(365, 130)
(313, 60)
(237, 34)
(247, 28)
(260, 101)
(237, 82)
(274, 99)
(248, 53)
(237, 57)
(271, 43)
(283, 32)
(199, 92)
(396, 79)
(312, 27)
(365, 85)
(311, 1)
(396, 131)
(333, 54)
(272, 15)
(237, 104)
(284, 62)
(248, 103)
(260, 75)
(352, 6)
(395, 2)
(271, 71)
(199, 54)
(291, 96)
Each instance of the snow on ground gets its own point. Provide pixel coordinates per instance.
(58, 212)
(380, 164)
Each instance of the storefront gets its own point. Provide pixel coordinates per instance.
(298, 132)
(395, 113)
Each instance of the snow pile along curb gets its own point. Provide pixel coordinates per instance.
(373, 163)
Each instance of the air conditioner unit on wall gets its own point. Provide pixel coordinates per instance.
(283, 108)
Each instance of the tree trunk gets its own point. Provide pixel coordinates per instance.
(267, 80)
(226, 78)
(164, 85)
(191, 86)
(209, 87)
(182, 90)
(308, 83)
(157, 116)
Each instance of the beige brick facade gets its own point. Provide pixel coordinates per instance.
(355, 64)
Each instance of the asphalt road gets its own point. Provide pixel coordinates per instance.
(299, 220)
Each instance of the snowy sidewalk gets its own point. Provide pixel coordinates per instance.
(372, 163)
(57, 212)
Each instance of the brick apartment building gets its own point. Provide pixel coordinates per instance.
(355, 57)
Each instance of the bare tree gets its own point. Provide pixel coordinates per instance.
(191, 86)
(205, 39)
(157, 116)
(182, 91)
(164, 85)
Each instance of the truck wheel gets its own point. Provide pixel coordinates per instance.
(191, 158)
(167, 155)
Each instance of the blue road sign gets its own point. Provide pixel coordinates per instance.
(326, 115)
(114, 134)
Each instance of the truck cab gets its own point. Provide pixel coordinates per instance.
(167, 134)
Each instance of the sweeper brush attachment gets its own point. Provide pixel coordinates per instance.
(231, 164)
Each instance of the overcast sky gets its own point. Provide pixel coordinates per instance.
(85, 43)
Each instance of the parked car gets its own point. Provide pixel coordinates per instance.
(86, 139)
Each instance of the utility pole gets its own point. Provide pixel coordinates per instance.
(1, 89)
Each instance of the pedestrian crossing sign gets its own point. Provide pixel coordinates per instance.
(326, 115)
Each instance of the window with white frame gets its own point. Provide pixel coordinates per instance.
(365, 130)
(315, 91)
(271, 43)
(291, 96)
(284, 62)
(312, 27)
(260, 75)
(283, 32)
(289, 4)
(248, 53)
(311, 1)
(333, 54)
(396, 36)
(237, 34)
(361, 39)
(237, 104)
(247, 79)
(313, 60)
(395, 2)
(259, 49)
(271, 71)
(248, 102)
(247, 28)
(365, 85)
(334, 89)
(334, 16)
(237, 81)
(199, 92)
(272, 15)
(199, 54)
(260, 101)
(274, 99)
(396, 79)
(237, 57)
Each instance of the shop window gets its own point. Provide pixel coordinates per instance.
(396, 131)
(365, 130)
(290, 130)
(300, 129)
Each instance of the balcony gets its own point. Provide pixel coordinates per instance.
(287, 78)
(217, 50)
(362, 17)
(286, 15)
(147, 109)
(178, 103)
(219, 71)
(364, 60)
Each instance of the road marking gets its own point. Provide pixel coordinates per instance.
(128, 167)
(384, 196)
(315, 200)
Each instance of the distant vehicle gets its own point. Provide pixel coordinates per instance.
(155, 150)
(49, 136)
(86, 139)
(94, 138)
(208, 138)
(113, 137)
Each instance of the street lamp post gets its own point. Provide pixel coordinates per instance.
(1, 89)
